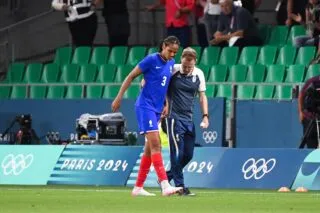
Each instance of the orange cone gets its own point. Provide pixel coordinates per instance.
(284, 189)
(301, 189)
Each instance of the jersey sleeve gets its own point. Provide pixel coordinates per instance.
(202, 85)
(146, 63)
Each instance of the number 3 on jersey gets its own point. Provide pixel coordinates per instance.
(164, 81)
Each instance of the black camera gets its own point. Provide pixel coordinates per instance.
(24, 121)
(311, 100)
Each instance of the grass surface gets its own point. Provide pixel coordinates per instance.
(77, 199)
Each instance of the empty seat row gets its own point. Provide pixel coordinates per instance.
(280, 35)
(265, 55)
(68, 92)
(260, 73)
(107, 73)
(110, 91)
(69, 73)
(281, 92)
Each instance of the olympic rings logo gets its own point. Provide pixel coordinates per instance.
(15, 165)
(209, 136)
(257, 169)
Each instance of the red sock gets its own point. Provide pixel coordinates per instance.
(143, 170)
(158, 166)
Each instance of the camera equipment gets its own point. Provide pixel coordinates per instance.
(311, 103)
(107, 129)
(25, 134)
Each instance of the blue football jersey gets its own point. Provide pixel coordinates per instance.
(157, 74)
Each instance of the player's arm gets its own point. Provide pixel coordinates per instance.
(125, 85)
(204, 108)
(203, 101)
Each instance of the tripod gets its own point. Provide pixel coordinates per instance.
(308, 132)
(7, 130)
(23, 136)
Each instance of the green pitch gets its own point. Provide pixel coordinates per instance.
(77, 199)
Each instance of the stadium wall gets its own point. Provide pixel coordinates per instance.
(117, 166)
(61, 115)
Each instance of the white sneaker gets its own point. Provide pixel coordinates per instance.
(170, 190)
(139, 191)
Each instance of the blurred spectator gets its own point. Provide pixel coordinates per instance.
(236, 27)
(200, 24)
(81, 18)
(212, 12)
(116, 16)
(312, 25)
(289, 7)
(177, 18)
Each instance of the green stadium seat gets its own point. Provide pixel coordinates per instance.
(237, 73)
(264, 32)
(69, 73)
(245, 91)
(296, 30)
(15, 73)
(305, 55)
(33, 73)
(198, 50)
(205, 69)
(81, 55)
(264, 92)
(118, 55)
(256, 73)
(286, 55)
(211, 90)
(63, 55)
(74, 92)
(111, 91)
(136, 54)
(283, 92)
(100, 55)
(106, 73)
(275, 73)
(295, 73)
(152, 50)
(122, 72)
(218, 73)
(132, 92)
(56, 92)
(312, 71)
(19, 92)
(229, 56)
(248, 55)
(88, 73)
(38, 92)
(224, 90)
(5, 92)
(94, 91)
(278, 36)
(50, 74)
(177, 57)
(267, 55)
(210, 56)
